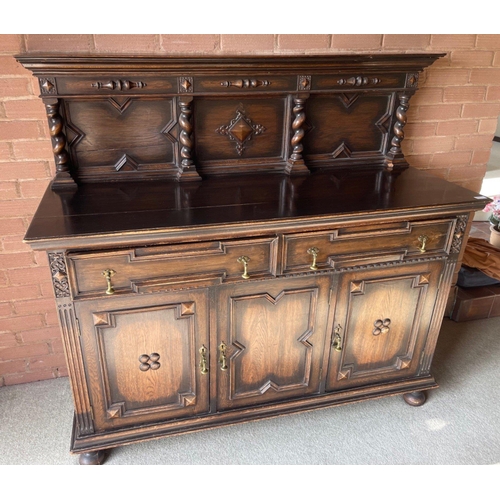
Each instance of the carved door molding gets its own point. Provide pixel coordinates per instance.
(381, 322)
(142, 357)
(274, 336)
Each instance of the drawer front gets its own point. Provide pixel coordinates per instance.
(170, 267)
(366, 244)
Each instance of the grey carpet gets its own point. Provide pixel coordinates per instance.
(458, 425)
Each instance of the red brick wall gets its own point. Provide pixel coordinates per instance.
(451, 123)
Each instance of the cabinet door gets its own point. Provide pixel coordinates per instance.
(274, 334)
(142, 357)
(381, 322)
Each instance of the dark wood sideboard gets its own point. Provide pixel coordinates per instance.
(238, 238)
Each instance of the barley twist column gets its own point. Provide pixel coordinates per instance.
(295, 164)
(186, 169)
(63, 177)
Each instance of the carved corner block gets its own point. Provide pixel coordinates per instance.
(60, 282)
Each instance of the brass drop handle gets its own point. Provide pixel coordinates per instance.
(222, 356)
(107, 273)
(203, 361)
(244, 260)
(314, 252)
(337, 339)
(423, 241)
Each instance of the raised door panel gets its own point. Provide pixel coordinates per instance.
(381, 322)
(143, 357)
(270, 340)
(363, 136)
(122, 137)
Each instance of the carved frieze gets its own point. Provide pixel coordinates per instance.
(60, 282)
(246, 83)
(359, 81)
(121, 85)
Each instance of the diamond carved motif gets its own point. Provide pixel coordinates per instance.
(48, 85)
(126, 160)
(343, 151)
(241, 130)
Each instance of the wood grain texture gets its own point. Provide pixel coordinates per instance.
(275, 335)
(253, 292)
(118, 332)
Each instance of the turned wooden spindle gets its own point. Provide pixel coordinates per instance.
(187, 169)
(395, 151)
(61, 156)
(295, 164)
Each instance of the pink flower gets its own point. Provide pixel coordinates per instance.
(493, 206)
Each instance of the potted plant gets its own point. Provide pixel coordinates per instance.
(493, 208)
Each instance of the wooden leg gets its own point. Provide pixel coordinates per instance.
(92, 458)
(415, 398)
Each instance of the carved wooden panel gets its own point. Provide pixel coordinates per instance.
(142, 357)
(382, 317)
(147, 130)
(363, 135)
(251, 131)
(274, 336)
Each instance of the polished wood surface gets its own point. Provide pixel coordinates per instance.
(110, 209)
(142, 357)
(123, 118)
(275, 337)
(239, 238)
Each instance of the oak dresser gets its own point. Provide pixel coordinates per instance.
(238, 238)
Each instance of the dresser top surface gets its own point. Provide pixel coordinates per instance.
(97, 210)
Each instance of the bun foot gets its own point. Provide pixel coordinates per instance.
(92, 458)
(415, 398)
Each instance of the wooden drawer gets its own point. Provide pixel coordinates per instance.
(170, 267)
(366, 244)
